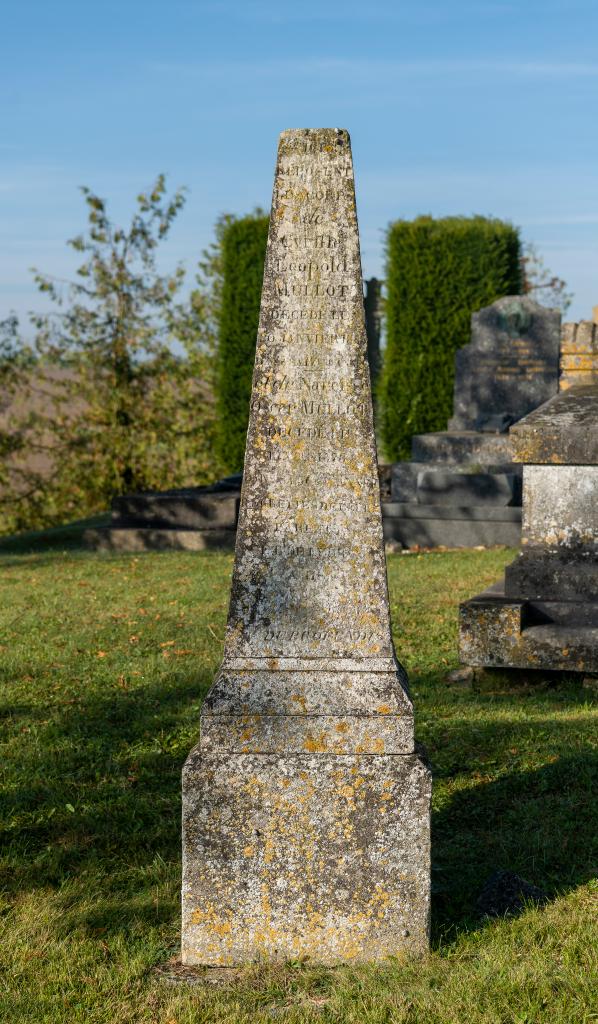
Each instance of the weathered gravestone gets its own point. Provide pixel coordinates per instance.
(510, 367)
(305, 805)
(579, 353)
(461, 487)
(544, 614)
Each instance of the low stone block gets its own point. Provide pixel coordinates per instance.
(429, 483)
(315, 855)
(443, 487)
(186, 509)
(467, 513)
(496, 632)
(489, 630)
(451, 526)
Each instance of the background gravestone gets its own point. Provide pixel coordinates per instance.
(461, 488)
(510, 367)
(305, 805)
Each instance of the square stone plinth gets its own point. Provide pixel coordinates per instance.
(317, 855)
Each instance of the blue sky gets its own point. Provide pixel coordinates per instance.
(454, 107)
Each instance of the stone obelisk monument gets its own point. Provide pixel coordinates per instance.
(305, 806)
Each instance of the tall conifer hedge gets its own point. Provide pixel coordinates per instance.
(243, 255)
(438, 273)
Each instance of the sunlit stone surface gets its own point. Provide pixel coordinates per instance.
(306, 807)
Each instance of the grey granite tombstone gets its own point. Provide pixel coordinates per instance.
(544, 614)
(306, 807)
(510, 367)
(373, 325)
(462, 488)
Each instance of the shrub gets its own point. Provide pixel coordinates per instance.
(243, 244)
(438, 273)
(113, 393)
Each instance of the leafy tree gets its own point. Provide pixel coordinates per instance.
(540, 283)
(242, 252)
(438, 272)
(113, 394)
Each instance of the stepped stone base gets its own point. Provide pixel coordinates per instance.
(192, 508)
(460, 490)
(496, 631)
(317, 855)
(408, 524)
(432, 505)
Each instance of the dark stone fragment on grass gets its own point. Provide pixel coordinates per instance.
(460, 676)
(590, 683)
(506, 893)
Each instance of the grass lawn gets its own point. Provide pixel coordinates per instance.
(104, 662)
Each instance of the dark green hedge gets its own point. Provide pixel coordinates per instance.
(243, 254)
(438, 272)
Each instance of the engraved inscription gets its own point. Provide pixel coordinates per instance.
(310, 552)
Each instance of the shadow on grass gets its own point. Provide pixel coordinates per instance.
(116, 759)
(98, 792)
(540, 824)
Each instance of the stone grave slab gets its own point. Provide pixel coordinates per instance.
(187, 518)
(306, 807)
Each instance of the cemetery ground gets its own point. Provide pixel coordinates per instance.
(105, 660)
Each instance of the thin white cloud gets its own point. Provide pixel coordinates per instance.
(361, 67)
